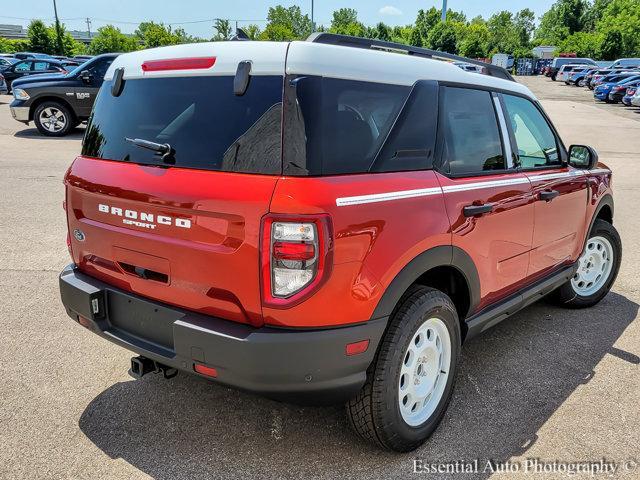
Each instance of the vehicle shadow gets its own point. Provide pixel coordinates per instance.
(33, 133)
(511, 380)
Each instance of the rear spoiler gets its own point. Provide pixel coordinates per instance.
(372, 44)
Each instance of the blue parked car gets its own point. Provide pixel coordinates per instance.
(579, 77)
(602, 91)
(630, 93)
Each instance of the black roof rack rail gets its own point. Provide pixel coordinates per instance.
(369, 43)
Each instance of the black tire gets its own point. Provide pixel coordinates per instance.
(567, 296)
(69, 119)
(553, 78)
(580, 83)
(375, 413)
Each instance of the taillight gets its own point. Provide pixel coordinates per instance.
(296, 255)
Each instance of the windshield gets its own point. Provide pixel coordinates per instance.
(200, 118)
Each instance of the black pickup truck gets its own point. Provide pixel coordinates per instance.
(58, 103)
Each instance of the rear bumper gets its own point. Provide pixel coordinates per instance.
(306, 366)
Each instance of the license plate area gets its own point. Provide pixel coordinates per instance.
(142, 319)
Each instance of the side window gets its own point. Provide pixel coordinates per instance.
(336, 126)
(471, 141)
(22, 67)
(536, 143)
(98, 70)
(40, 66)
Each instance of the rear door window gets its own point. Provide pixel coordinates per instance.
(22, 67)
(204, 122)
(469, 132)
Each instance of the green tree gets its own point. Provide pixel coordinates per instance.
(475, 42)
(286, 24)
(584, 44)
(612, 46)
(344, 17)
(345, 22)
(111, 39)
(503, 33)
(425, 21)
(622, 16)
(40, 40)
(252, 31)
(525, 24)
(152, 35)
(443, 37)
(70, 46)
(222, 29)
(382, 32)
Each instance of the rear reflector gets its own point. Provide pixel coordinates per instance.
(204, 370)
(293, 251)
(357, 347)
(178, 64)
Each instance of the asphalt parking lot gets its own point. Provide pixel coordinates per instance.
(549, 383)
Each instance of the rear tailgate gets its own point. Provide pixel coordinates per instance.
(183, 231)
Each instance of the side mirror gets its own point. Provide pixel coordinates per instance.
(583, 157)
(86, 76)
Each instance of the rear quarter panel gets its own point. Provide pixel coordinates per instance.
(372, 241)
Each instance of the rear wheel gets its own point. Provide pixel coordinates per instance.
(53, 119)
(580, 82)
(597, 268)
(410, 382)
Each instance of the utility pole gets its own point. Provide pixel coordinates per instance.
(313, 23)
(89, 26)
(444, 11)
(58, 31)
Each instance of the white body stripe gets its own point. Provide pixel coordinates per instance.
(423, 192)
(384, 197)
(553, 176)
(598, 171)
(488, 184)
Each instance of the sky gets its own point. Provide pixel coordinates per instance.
(126, 14)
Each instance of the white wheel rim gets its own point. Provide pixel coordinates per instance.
(424, 372)
(594, 267)
(52, 119)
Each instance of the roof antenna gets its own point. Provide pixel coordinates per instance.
(240, 35)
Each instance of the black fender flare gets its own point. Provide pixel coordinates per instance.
(441, 256)
(606, 200)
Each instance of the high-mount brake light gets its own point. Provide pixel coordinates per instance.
(296, 257)
(178, 64)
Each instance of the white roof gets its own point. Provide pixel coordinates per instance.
(308, 58)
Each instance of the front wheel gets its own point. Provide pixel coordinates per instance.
(597, 268)
(410, 382)
(53, 119)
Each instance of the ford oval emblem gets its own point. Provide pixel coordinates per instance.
(79, 235)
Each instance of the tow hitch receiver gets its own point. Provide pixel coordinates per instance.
(140, 366)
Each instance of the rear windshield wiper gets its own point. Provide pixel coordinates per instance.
(163, 150)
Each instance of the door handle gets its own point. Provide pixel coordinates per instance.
(475, 210)
(549, 195)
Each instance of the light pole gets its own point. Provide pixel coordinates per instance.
(58, 32)
(444, 10)
(313, 23)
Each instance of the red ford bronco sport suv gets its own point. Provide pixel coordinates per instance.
(325, 220)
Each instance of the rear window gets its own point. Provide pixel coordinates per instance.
(205, 123)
